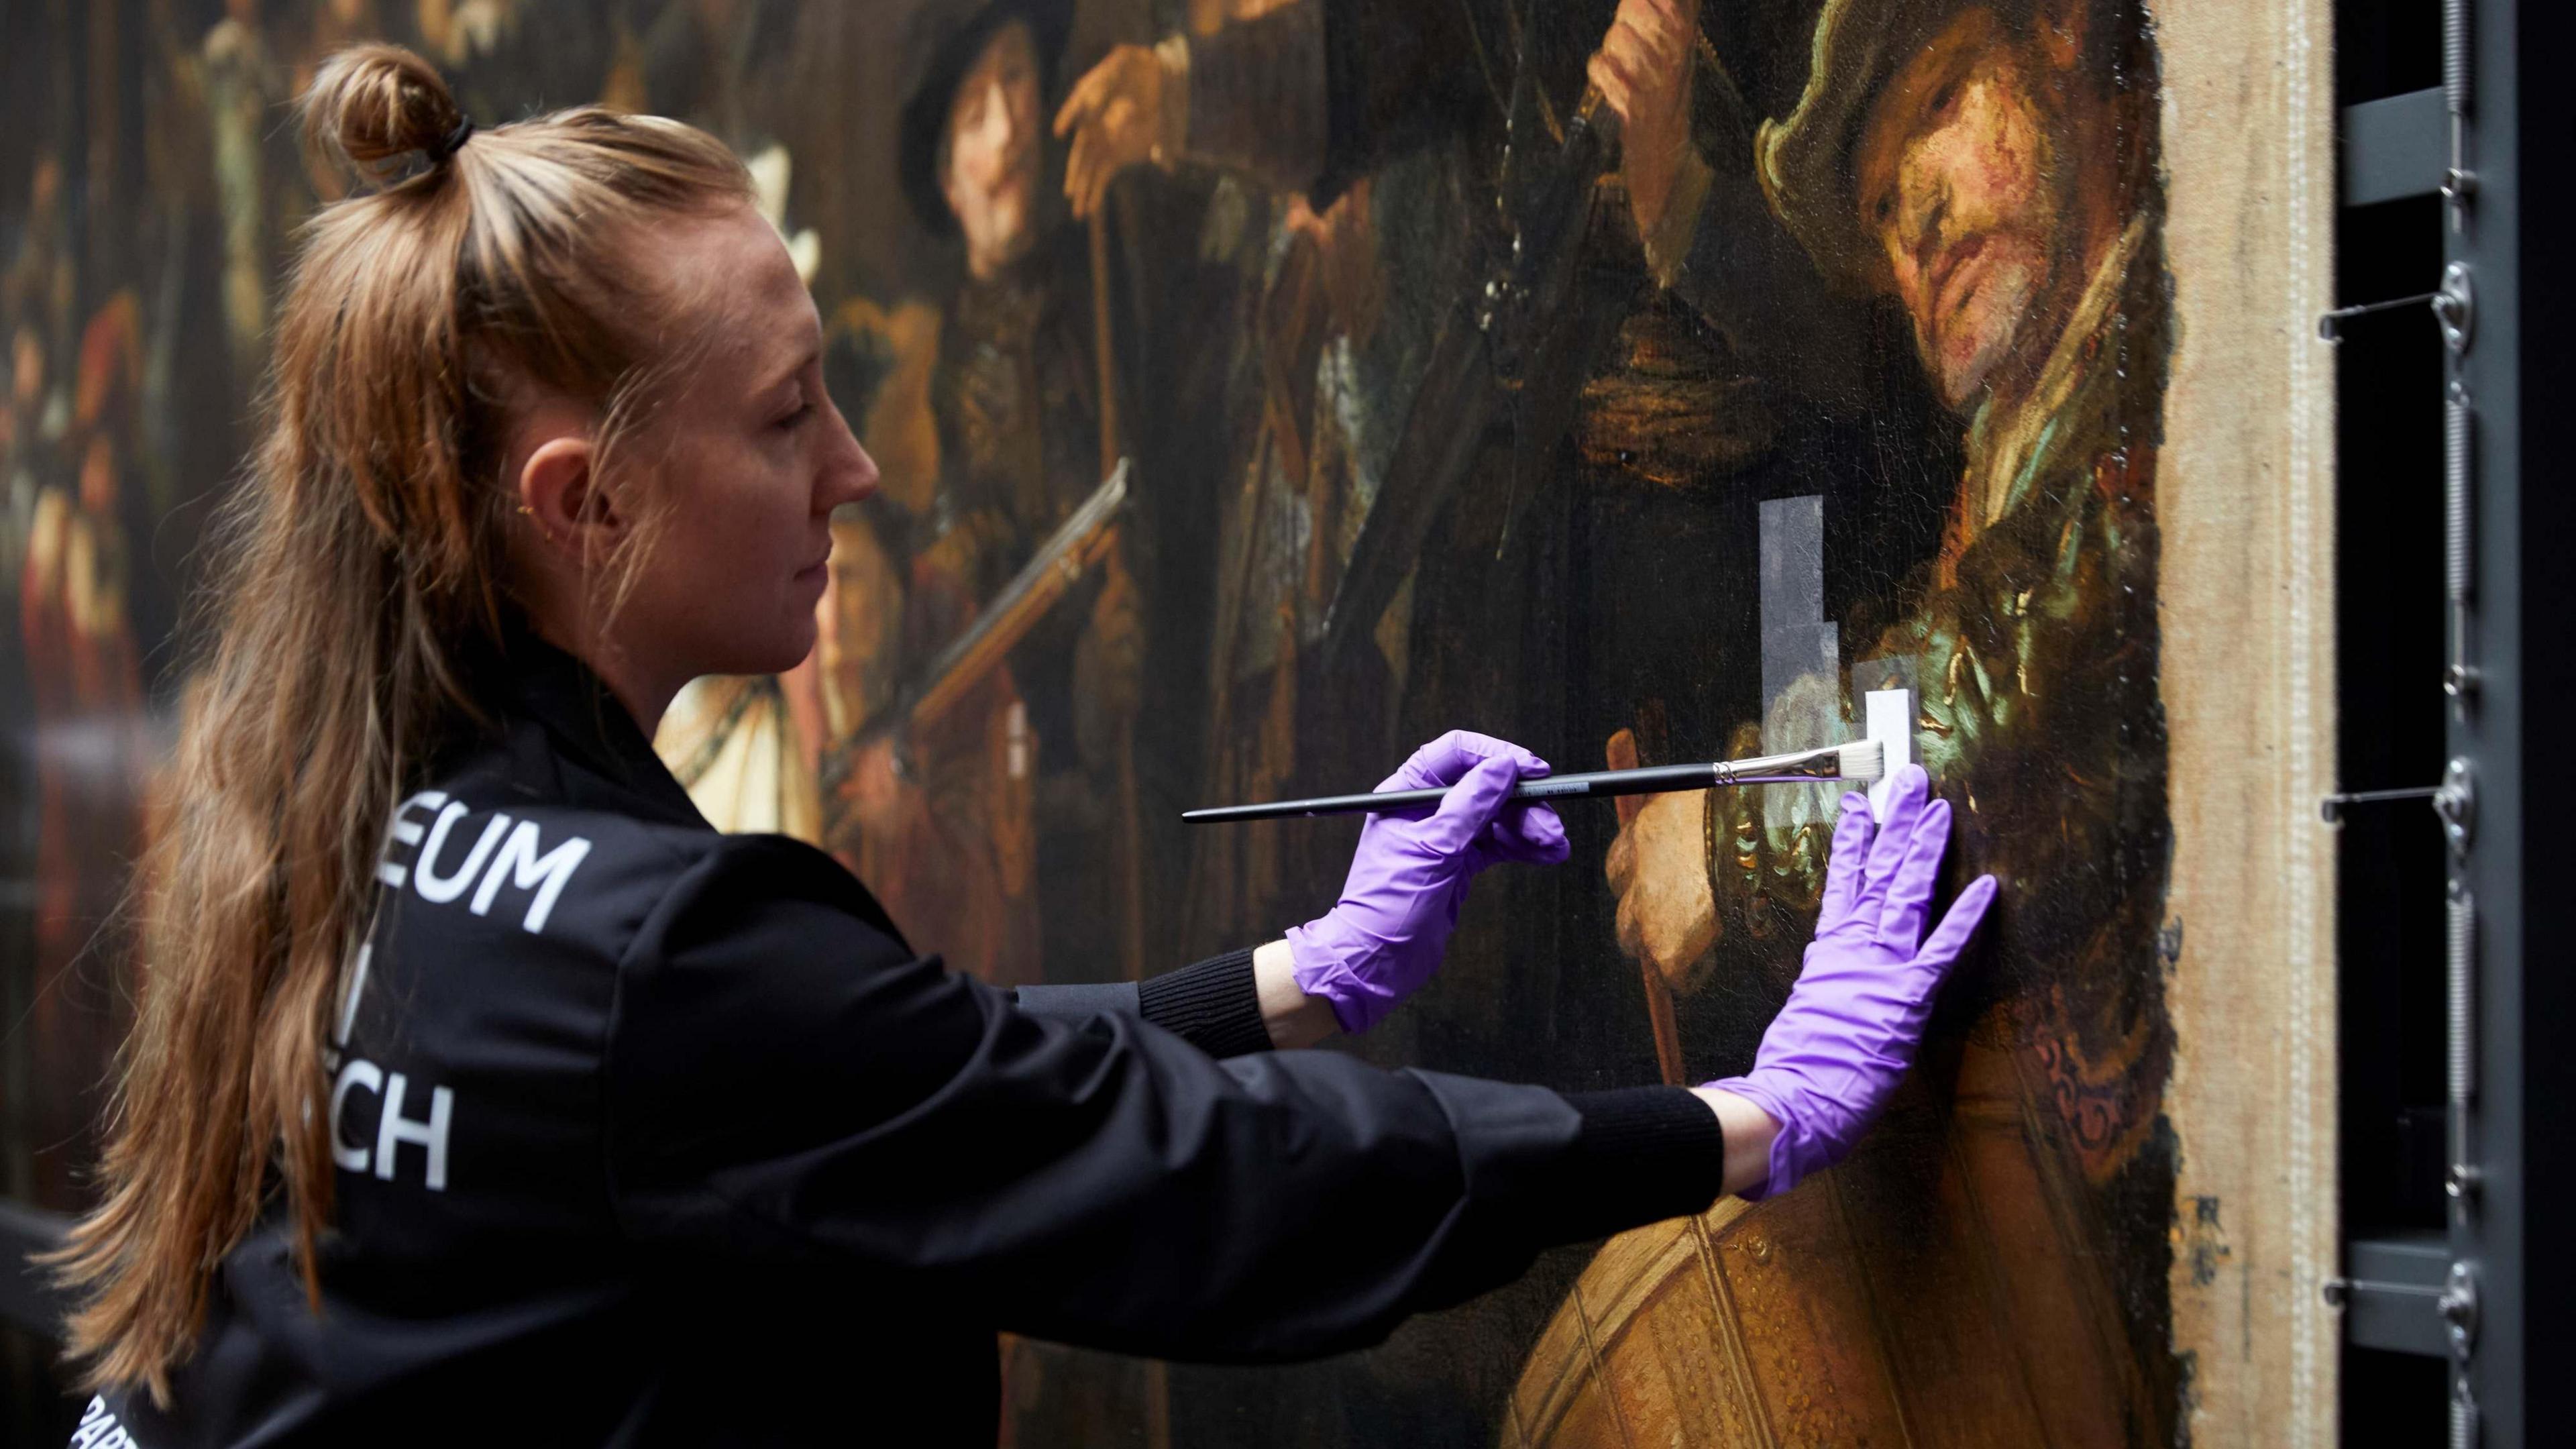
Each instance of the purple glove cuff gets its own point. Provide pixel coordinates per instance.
(1383, 939)
(1792, 1155)
(1848, 1032)
(1319, 953)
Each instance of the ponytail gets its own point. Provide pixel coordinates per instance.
(358, 567)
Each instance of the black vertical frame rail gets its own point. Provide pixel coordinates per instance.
(2488, 1295)
(2465, 1280)
(2509, 1074)
(2514, 1231)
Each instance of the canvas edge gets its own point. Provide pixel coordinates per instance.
(2245, 511)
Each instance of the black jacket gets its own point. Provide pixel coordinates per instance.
(648, 1134)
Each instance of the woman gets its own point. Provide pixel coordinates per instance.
(478, 1084)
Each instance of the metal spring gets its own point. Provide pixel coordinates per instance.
(2455, 56)
(2461, 961)
(2464, 1419)
(2455, 494)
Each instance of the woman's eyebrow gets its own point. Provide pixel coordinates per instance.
(781, 376)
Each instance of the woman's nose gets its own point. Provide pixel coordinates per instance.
(858, 474)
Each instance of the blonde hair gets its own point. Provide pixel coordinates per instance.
(357, 571)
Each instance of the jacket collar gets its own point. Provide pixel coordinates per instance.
(585, 721)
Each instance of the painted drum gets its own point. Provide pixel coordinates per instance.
(1931, 1291)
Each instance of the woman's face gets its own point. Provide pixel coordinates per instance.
(748, 460)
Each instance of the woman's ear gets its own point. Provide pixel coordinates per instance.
(561, 496)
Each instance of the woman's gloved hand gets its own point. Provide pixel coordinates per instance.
(1385, 937)
(1851, 1025)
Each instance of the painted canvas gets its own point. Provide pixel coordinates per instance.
(1262, 387)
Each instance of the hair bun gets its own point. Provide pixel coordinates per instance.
(375, 104)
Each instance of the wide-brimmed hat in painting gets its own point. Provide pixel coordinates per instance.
(1808, 161)
(943, 41)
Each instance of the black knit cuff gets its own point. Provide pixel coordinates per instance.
(1645, 1154)
(1212, 1005)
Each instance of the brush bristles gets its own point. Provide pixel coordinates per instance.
(1862, 760)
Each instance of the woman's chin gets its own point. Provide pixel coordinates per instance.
(775, 653)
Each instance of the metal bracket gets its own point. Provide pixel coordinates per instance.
(2455, 800)
(2458, 1306)
(2457, 803)
(2454, 305)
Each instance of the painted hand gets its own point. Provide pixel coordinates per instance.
(1643, 70)
(1384, 938)
(1853, 1021)
(1114, 115)
(1658, 866)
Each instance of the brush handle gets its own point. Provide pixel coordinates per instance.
(1600, 785)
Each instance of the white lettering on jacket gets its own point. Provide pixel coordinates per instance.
(98, 1429)
(404, 831)
(525, 870)
(393, 1129)
(357, 1072)
(521, 862)
(440, 889)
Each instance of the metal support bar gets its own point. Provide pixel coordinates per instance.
(2330, 326)
(2454, 305)
(2455, 800)
(2459, 678)
(2460, 1301)
(2460, 993)
(2393, 1298)
(2395, 148)
(2459, 183)
(2331, 807)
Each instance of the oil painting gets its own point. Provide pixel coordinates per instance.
(1262, 387)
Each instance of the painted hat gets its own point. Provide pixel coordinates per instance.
(1808, 160)
(944, 39)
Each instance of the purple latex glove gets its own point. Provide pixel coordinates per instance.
(1411, 871)
(1852, 1023)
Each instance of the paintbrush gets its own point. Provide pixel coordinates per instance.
(1861, 760)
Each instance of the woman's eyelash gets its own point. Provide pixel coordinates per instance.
(803, 411)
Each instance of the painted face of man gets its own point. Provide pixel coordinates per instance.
(1958, 185)
(991, 176)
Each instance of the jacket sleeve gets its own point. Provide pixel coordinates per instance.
(1213, 1005)
(790, 1093)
